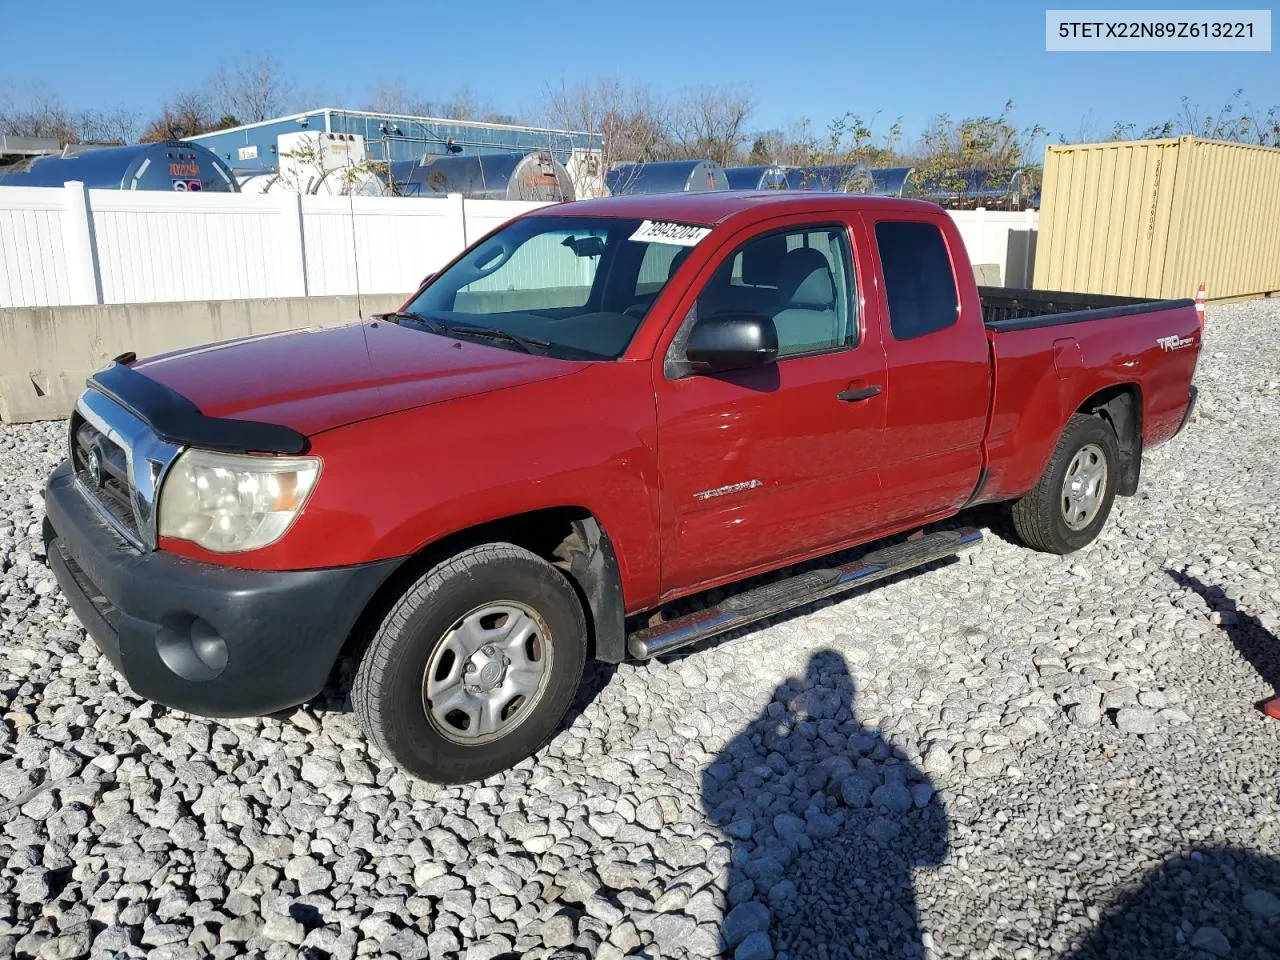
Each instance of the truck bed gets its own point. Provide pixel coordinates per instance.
(1009, 308)
(1052, 351)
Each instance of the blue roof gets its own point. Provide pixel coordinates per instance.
(392, 137)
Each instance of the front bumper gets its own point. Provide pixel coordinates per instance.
(211, 640)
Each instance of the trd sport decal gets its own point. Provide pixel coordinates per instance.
(1175, 343)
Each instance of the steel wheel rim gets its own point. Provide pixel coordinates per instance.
(1084, 486)
(487, 673)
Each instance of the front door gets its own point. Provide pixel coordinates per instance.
(778, 461)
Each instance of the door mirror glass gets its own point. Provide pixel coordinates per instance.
(732, 341)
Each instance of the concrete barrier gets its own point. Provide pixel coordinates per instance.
(47, 352)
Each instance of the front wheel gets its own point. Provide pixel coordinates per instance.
(1068, 507)
(474, 667)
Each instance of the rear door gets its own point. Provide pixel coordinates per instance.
(763, 465)
(939, 371)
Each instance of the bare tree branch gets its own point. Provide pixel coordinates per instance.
(252, 89)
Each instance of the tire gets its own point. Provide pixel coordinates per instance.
(1046, 519)
(497, 591)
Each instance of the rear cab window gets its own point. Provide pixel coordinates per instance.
(919, 283)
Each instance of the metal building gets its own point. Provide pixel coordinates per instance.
(390, 138)
(172, 165)
(494, 176)
(668, 176)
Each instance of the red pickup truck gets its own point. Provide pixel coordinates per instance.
(597, 409)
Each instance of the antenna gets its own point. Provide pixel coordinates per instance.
(355, 246)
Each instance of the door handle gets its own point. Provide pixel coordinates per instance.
(854, 394)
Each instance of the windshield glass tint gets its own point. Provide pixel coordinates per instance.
(579, 283)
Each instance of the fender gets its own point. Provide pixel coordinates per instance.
(593, 566)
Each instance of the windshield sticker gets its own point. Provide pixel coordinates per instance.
(678, 234)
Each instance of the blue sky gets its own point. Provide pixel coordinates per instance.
(815, 60)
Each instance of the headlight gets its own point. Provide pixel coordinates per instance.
(229, 503)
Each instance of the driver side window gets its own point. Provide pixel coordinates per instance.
(801, 279)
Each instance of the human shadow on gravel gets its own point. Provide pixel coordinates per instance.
(1220, 901)
(1258, 645)
(828, 820)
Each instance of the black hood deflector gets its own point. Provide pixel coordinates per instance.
(176, 419)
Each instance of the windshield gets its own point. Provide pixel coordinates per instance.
(579, 286)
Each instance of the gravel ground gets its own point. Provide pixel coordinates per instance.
(1012, 755)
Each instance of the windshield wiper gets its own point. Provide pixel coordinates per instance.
(417, 319)
(527, 344)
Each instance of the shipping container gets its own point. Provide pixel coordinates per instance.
(1156, 218)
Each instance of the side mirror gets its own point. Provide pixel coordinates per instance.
(732, 341)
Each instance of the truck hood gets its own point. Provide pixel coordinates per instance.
(324, 377)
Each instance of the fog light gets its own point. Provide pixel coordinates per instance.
(192, 649)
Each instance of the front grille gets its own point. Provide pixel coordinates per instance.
(110, 486)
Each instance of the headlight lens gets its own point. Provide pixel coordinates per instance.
(229, 503)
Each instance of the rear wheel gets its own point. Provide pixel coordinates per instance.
(474, 667)
(1069, 506)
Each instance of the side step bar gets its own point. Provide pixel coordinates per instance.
(772, 598)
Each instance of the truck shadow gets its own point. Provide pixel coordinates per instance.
(827, 821)
(993, 518)
(1220, 901)
(1258, 645)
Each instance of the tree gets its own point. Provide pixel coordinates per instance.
(1235, 120)
(621, 117)
(708, 124)
(392, 96)
(39, 112)
(639, 126)
(949, 153)
(796, 146)
(253, 88)
(187, 115)
(247, 90)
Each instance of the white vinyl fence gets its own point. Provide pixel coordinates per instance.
(1006, 238)
(72, 246)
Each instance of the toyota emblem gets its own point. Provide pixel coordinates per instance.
(95, 468)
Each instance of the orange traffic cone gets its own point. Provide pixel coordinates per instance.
(1272, 707)
(1200, 305)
